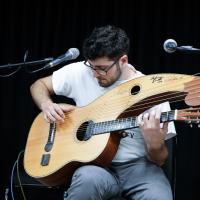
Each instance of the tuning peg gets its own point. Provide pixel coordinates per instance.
(198, 125)
(191, 125)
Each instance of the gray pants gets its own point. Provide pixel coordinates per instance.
(138, 180)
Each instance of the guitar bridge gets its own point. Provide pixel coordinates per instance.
(52, 132)
(45, 159)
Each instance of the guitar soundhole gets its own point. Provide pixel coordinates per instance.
(83, 132)
(135, 90)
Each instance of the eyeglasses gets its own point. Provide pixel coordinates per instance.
(100, 71)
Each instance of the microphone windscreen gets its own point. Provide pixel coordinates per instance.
(74, 52)
(170, 45)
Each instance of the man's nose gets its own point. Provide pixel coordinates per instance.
(96, 74)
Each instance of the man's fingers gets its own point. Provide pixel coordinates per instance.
(165, 126)
(55, 115)
(157, 113)
(48, 117)
(67, 108)
(56, 112)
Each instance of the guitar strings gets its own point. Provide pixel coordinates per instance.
(159, 101)
(161, 98)
(84, 127)
(175, 96)
(145, 102)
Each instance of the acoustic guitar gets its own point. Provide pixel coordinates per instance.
(91, 134)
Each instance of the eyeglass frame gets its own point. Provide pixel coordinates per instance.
(102, 72)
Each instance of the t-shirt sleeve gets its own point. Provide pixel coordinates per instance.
(62, 80)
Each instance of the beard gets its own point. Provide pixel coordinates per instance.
(103, 82)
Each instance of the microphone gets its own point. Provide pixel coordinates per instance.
(71, 54)
(170, 46)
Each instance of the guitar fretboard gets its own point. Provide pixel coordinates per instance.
(125, 123)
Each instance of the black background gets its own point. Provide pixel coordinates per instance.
(48, 28)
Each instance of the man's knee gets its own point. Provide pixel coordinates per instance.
(155, 192)
(92, 182)
(164, 195)
(89, 175)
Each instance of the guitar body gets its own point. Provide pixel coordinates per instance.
(68, 151)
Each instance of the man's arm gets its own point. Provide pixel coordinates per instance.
(41, 92)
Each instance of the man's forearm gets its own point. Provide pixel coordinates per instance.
(158, 155)
(40, 93)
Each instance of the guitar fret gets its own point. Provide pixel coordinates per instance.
(172, 115)
(167, 116)
(114, 125)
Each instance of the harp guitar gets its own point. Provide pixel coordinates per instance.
(90, 134)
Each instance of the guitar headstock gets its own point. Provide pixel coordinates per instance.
(189, 115)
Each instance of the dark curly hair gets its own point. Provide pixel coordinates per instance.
(109, 41)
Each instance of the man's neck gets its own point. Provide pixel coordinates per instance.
(128, 72)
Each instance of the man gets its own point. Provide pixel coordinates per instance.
(135, 171)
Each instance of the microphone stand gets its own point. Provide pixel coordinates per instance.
(37, 62)
(188, 49)
(24, 64)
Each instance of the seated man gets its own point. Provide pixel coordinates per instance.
(135, 172)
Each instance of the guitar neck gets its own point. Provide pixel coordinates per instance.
(126, 123)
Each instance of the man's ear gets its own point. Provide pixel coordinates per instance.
(124, 59)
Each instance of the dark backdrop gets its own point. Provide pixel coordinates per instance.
(48, 28)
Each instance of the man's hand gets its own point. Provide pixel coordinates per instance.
(154, 136)
(55, 112)
(150, 127)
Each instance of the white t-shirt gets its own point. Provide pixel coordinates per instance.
(76, 81)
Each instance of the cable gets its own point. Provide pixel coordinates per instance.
(175, 167)
(10, 74)
(11, 181)
(19, 179)
(11, 178)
